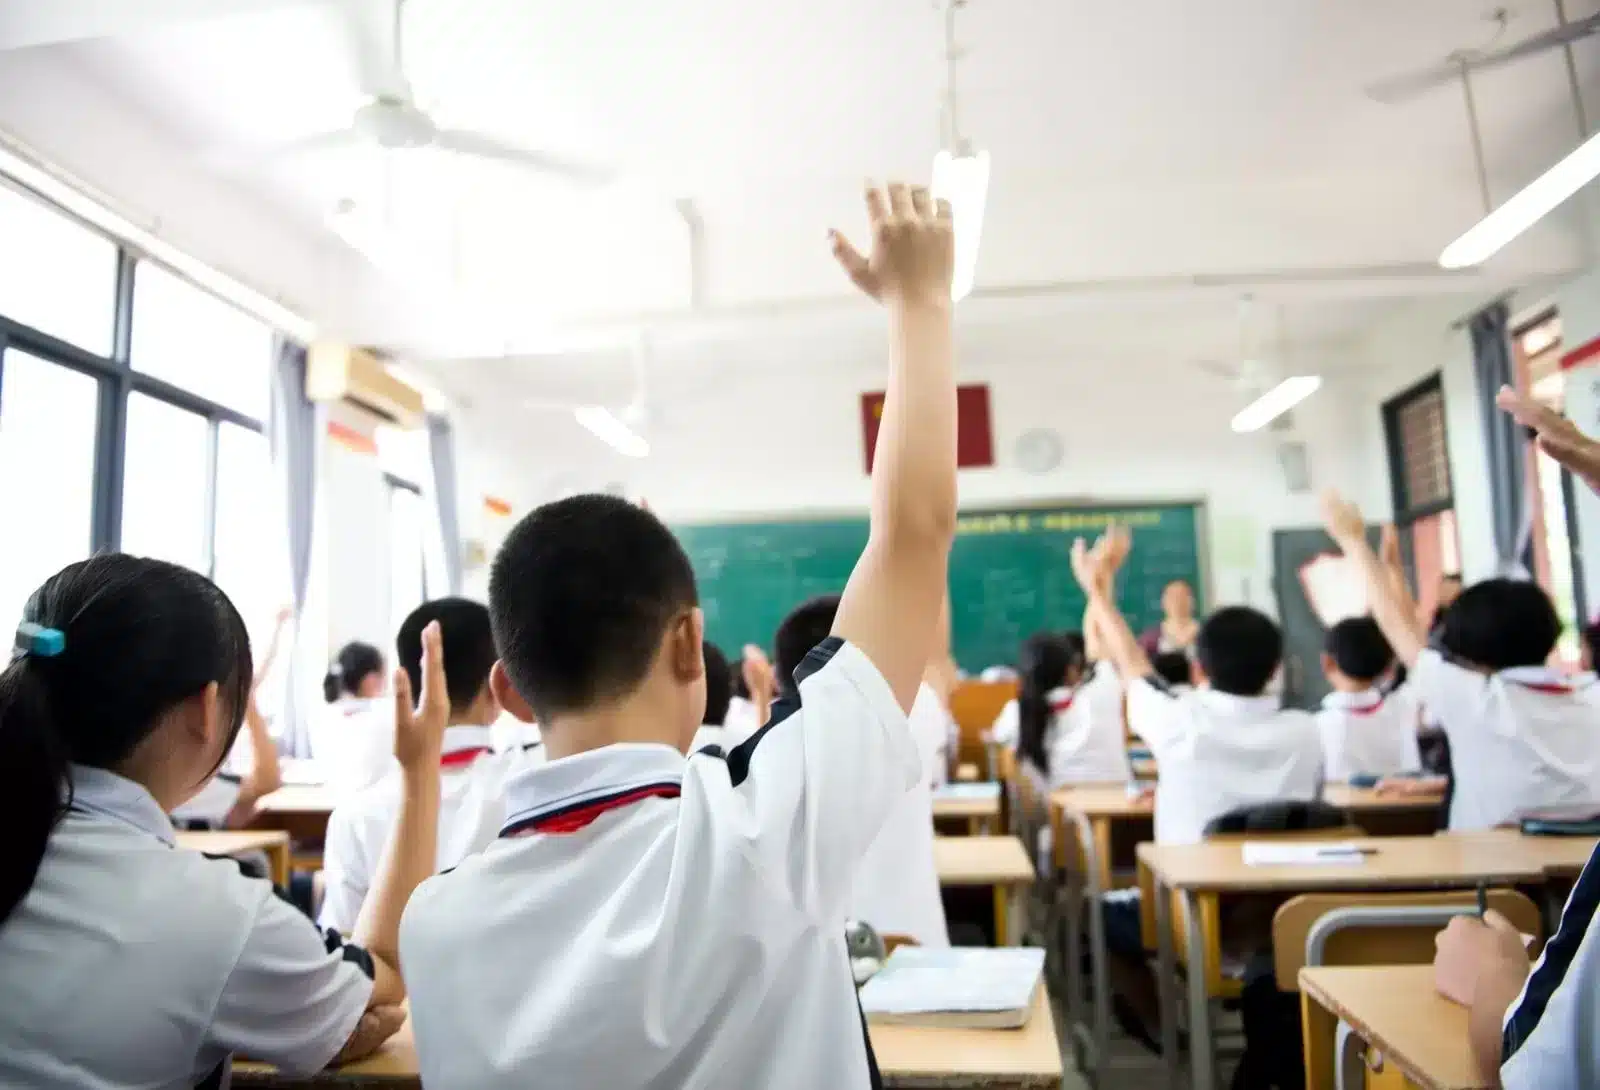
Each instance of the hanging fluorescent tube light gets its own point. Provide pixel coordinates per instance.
(1275, 402)
(1536, 200)
(962, 178)
(606, 426)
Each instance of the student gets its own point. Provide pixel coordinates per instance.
(1522, 735)
(897, 884)
(472, 776)
(1367, 729)
(719, 694)
(130, 964)
(1224, 746)
(1174, 669)
(352, 737)
(657, 922)
(754, 687)
(1045, 658)
(1070, 727)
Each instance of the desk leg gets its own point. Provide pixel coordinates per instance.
(1002, 914)
(1202, 1047)
(1166, 974)
(1096, 842)
(1318, 1027)
(1072, 948)
(278, 861)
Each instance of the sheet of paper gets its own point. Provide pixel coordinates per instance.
(1306, 853)
(1335, 588)
(988, 790)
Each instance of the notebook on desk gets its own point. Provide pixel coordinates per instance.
(985, 790)
(1561, 821)
(955, 987)
(1303, 853)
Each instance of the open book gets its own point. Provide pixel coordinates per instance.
(955, 987)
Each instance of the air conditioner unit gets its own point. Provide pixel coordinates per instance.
(342, 372)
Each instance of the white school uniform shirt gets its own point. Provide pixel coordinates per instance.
(1007, 725)
(647, 921)
(1369, 733)
(897, 883)
(471, 810)
(740, 722)
(353, 741)
(1087, 739)
(1219, 752)
(508, 732)
(134, 965)
(1523, 739)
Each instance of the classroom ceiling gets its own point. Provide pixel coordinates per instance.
(1146, 155)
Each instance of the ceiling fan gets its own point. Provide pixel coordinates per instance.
(392, 120)
(1402, 88)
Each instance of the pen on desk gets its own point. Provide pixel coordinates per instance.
(1483, 899)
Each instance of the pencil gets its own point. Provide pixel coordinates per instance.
(1483, 899)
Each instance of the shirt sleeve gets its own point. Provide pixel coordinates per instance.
(817, 783)
(1455, 697)
(1330, 728)
(1410, 724)
(1007, 725)
(295, 994)
(1156, 715)
(345, 872)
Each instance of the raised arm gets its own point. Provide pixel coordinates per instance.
(890, 607)
(413, 843)
(1095, 570)
(265, 775)
(1392, 607)
(1557, 436)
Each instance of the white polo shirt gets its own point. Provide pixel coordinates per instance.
(1007, 725)
(352, 740)
(1522, 739)
(1219, 752)
(472, 808)
(1087, 741)
(1370, 733)
(133, 965)
(740, 722)
(650, 922)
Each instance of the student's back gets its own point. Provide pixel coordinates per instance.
(1367, 729)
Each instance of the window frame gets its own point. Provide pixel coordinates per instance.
(393, 484)
(1405, 515)
(118, 380)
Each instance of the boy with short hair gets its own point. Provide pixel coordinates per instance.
(472, 777)
(1367, 729)
(719, 694)
(647, 921)
(1522, 735)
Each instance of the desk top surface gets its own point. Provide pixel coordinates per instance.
(1358, 799)
(1397, 1011)
(300, 798)
(1414, 862)
(1102, 800)
(231, 842)
(1030, 1056)
(981, 860)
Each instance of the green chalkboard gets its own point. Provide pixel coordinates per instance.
(1010, 574)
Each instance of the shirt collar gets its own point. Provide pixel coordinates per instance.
(585, 778)
(458, 739)
(104, 794)
(1242, 707)
(1546, 678)
(1364, 700)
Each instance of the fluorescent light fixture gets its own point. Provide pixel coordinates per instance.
(1275, 402)
(1535, 201)
(963, 179)
(609, 429)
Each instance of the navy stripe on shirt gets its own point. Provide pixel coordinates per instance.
(1558, 954)
(785, 706)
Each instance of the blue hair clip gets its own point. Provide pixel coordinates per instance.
(36, 639)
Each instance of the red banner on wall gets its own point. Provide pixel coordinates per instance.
(974, 426)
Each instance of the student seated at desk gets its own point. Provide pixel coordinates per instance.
(129, 963)
(647, 921)
(1367, 729)
(472, 776)
(1070, 727)
(1522, 735)
(897, 884)
(755, 686)
(1221, 747)
(351, 737)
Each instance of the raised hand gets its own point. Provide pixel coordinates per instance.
(913, 247)
(1342, 519)
(759, 678)
(1558, 436)
(419, 730)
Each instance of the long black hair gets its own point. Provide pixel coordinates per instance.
(1048, 661)
(350, 668)
(139, 637)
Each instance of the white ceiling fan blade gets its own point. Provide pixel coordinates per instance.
(1400, 88)
(373, 29)
(59, 21)
(333, 140)
(476, 144)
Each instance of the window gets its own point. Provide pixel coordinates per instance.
(250, 559)
(188, 337)
(1424, 469)
(1419, 478)
(407, 522)
(166, 482)
(56, 275)
(48, 417)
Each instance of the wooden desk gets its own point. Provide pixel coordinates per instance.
(1085, 821)
(1387, 815)
(1399, 1017)
(910, 1058)
(1202, 873)
(300, 810)
(980, 812)
(1560, 857)
(274, 842)
(998, 861)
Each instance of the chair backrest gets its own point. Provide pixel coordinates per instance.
(1378, 928)
(1281, 816)
(975, 705)
(891, 941)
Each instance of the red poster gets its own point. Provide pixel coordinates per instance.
(974, 426)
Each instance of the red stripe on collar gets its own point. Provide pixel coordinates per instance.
(1544, 686)
(581, 817)
(1371, 709)
(461, 758)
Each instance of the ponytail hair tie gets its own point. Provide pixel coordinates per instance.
(37, 640)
